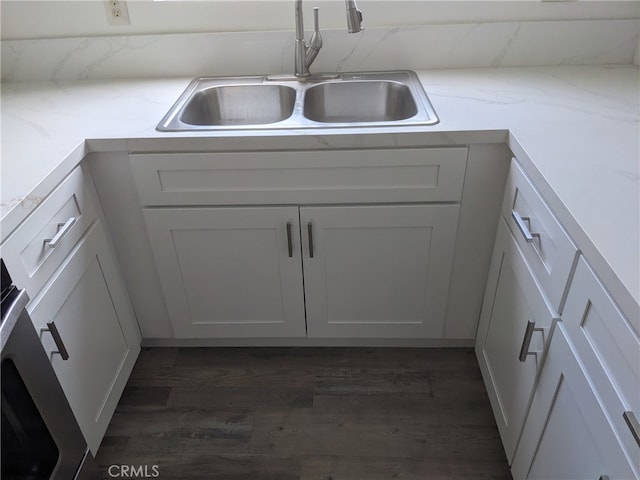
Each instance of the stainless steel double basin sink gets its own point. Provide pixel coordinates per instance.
(320, 101)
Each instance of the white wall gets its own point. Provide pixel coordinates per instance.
(26, 19)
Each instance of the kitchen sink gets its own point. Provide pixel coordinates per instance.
(366, 99)
(239, 105)
(359, 101)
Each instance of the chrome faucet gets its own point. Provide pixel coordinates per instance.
(306, 53)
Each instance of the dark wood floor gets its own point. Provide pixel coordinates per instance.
(306, 414)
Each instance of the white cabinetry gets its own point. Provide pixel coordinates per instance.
(608, 345)
(315, 260)
(514, 327)
(530, 268)
(548, 249)
(568, 434)
(227, 272)
(89, 307)
(377, 271)
(369, 271)
(296, 177)
(588, 391)
(569, 411)
(75, 286)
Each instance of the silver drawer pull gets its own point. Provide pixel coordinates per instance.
(524, 229)
(289, 240)
(632, 423)
(53, 330)
(310, 235)
(63, 229)
(526, 341)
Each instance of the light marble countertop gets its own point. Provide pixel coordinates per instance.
(575, 129)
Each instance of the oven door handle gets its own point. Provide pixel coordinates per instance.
(53, 330)
(11, 316)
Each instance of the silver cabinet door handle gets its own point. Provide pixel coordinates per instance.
(63, 229)
(523, 227)
(289, 240)
(632, 423)
(53, 330)
(310, 234)
(526, 341)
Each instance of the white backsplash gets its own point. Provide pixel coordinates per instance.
(576, 42)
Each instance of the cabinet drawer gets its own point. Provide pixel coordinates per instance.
(66, 214)
(546, 246)
(345, 176)
(609, 346)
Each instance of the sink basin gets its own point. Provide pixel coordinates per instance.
(347, 100)
(239, 105)
(359, 101)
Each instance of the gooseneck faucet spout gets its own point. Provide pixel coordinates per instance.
(306, 53)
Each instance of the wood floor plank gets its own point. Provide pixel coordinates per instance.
(259, 376)
(304, 432)
(183, 423)
(347, 380)
(453, 411)
(314, 467)
(239, 398)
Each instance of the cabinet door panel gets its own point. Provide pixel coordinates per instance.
(567, 434)
(378, 271)
(90, 309)
(226, 272)
(512, 299)
(609, 346)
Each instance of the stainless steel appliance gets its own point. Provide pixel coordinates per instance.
(40, 436)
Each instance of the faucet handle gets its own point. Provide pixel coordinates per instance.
(316, 21)
(315, 43)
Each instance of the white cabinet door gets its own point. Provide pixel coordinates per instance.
(377, 271)
(512, 301)
(86, 301)
(567, 434)
(229, 272)
(608, 344)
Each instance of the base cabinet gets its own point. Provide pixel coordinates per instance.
(352, 271)
(88, 305)
(513, 331)
(568, 434)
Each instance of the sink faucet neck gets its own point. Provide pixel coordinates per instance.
(306, 53)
